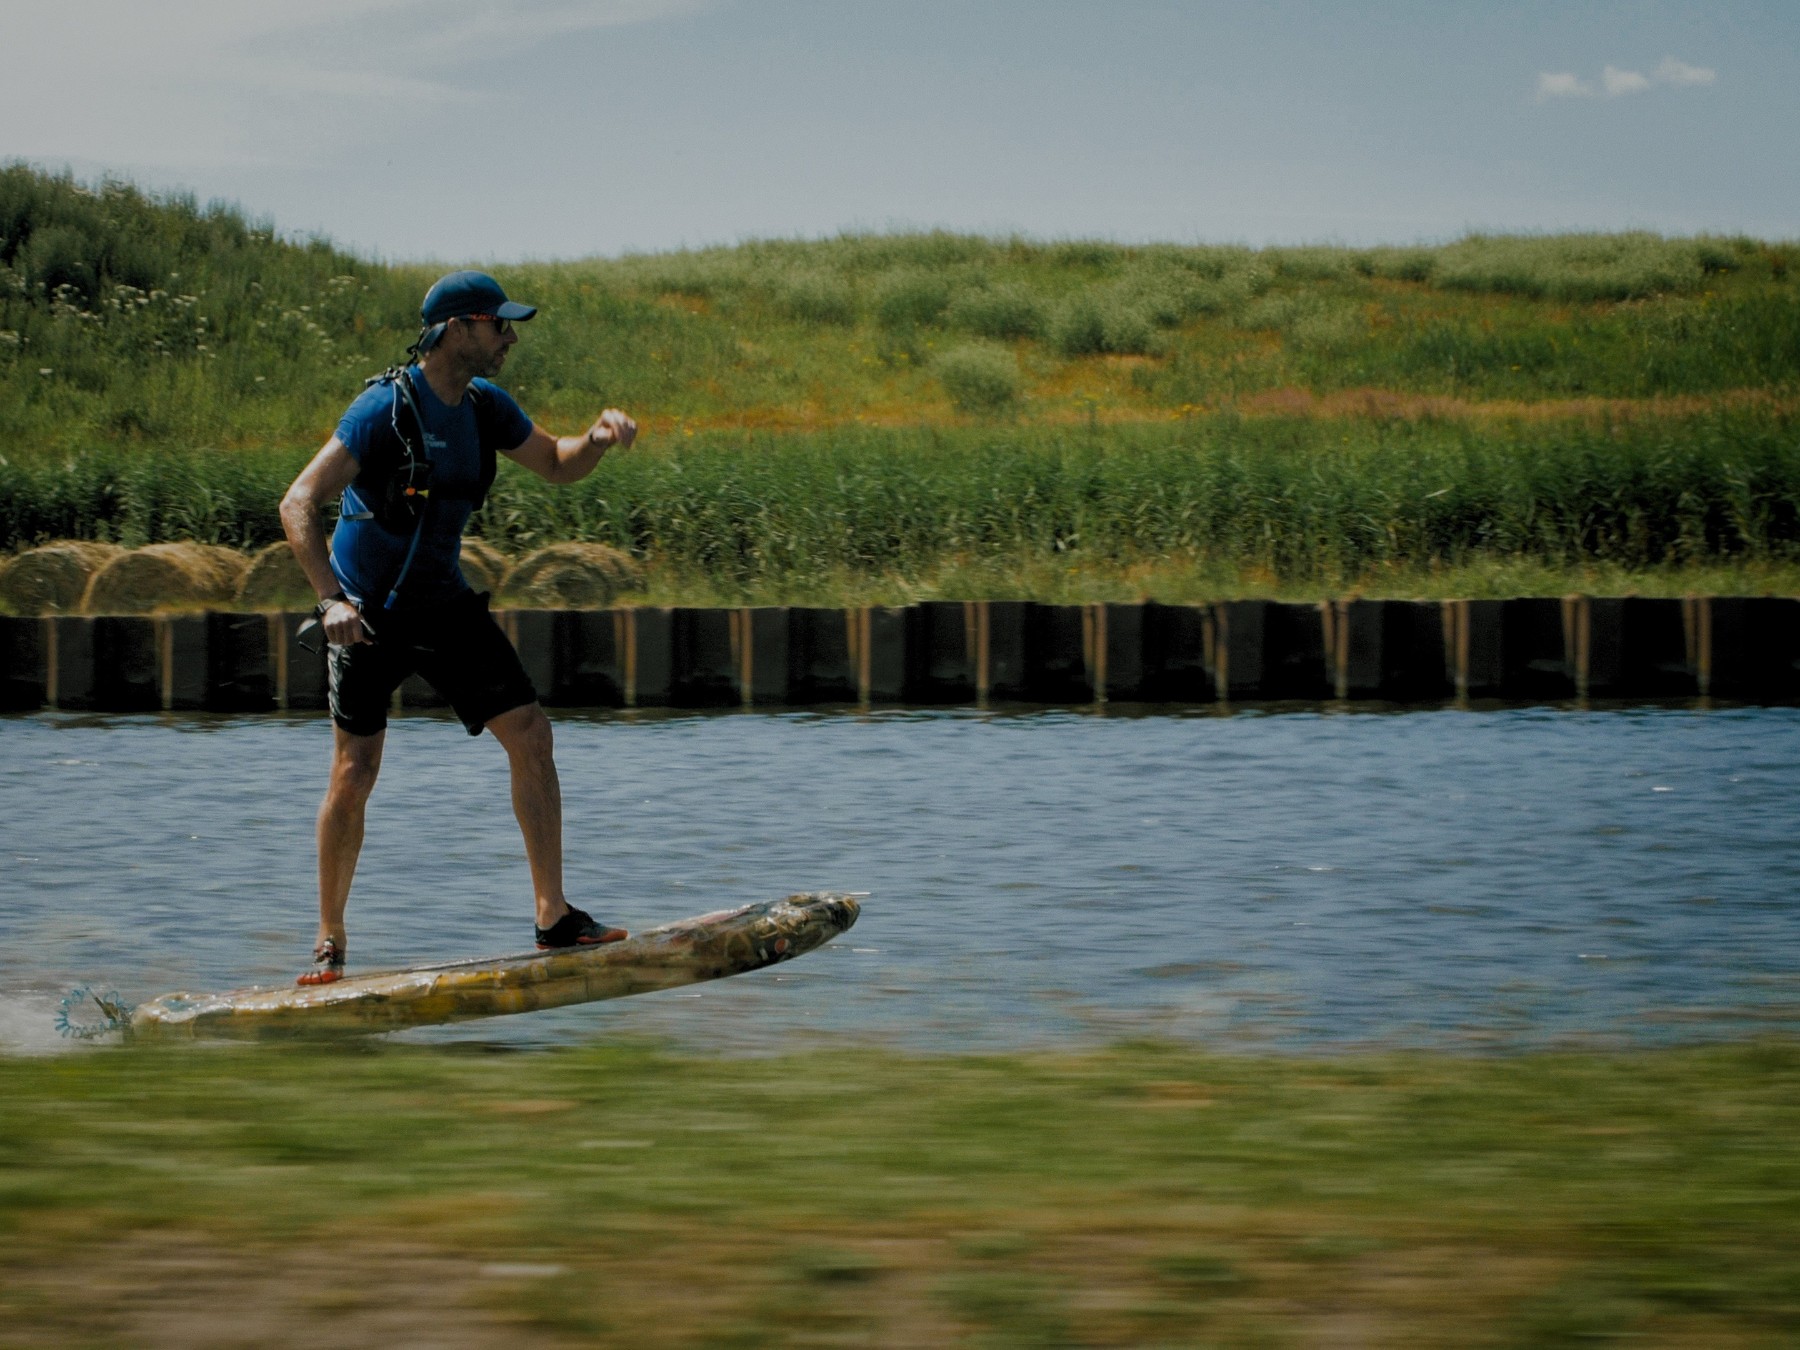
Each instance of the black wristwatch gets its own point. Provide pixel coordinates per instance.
(325, 604)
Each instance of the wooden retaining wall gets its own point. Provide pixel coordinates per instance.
(952, 652)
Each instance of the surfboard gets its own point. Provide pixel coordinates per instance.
(710, 947)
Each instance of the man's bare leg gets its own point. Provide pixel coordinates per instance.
(537, 801)
(355, 761)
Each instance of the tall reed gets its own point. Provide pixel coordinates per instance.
(1295, 498)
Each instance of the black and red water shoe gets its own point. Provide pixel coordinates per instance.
(577, 928)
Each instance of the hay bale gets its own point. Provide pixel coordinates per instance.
(52, 579)
(165, 576)
(571, 576)
(274, 580)
(483, 566)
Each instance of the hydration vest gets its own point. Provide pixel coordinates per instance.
(395, 482)
(394, 485)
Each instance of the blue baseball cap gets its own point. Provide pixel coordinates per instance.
(464, 293)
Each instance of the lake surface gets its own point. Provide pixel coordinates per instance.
(1293, 880)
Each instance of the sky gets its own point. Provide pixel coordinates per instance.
(503, 130)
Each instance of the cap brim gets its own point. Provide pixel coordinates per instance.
(512, 309)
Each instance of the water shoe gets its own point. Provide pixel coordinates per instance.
(328, 960)
(577, 928)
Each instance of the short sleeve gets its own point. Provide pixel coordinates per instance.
(357, 426)
(505, 426)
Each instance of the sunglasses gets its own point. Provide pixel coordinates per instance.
(501, 326)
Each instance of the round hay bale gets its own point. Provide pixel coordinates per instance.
(165, 576)
(52, 579)
(572, 576)
(483, 566)
(274, 581)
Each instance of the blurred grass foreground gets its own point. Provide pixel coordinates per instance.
(1142, 1195)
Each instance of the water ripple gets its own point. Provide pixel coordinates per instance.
(1504, 878)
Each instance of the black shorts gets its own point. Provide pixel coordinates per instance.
(458, 649)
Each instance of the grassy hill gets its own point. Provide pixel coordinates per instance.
(890, 415)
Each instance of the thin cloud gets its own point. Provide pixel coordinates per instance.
(1562, 84)
(1616, 82)
(1681, 73)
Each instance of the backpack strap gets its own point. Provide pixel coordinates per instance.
(412, 484)
(394, 486)
(401, 494)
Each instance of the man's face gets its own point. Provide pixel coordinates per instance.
(483, 343)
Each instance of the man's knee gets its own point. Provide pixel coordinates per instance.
(525, 732)
(355, 764)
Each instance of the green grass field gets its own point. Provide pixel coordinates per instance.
(1143, 1195)
(871, 418)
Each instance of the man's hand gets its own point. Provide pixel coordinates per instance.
(343, 624)
(612, 428)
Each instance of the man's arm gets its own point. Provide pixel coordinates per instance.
(331, 471)
(569, 459)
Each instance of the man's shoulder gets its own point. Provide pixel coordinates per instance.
(486, 391)
(364, 420)
(503, 422)
(374, 399)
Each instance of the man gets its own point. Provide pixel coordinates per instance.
(412, 458)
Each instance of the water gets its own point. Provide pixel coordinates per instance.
(1296, 881)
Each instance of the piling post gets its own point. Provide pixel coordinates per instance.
(1116, 666)
(1656, 658)
(706, 664)
(1473, 655)
(1238, 653)
(1177, 653)
(69, 661)
(240, 666)
(943, 653)
(1295, 659)
(23, 676)
(881, 650)
(300, 675)
(651, 657)
(1058, 665)
(1697, 640)
(533, 635)
(820, 664)
(1008, 649)
(761, 645)
(127, 669)
(590, 660)
(1534, 650)
(1755, 648)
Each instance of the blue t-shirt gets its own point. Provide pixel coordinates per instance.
(366, 557)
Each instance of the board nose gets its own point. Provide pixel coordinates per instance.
(836, 910)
